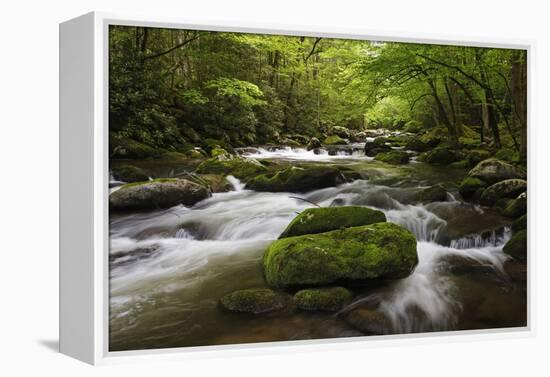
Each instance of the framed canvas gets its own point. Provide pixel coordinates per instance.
(240, 188)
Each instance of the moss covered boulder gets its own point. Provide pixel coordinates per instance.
(295, 179)
(313, 143)
(436, 193)
(320, 220)
(255, 301)
(393, 157)
(435, 136)
(517, 207)
(330, 299)
(417, 145)
(509, 188)
(378, 145)
(519, 224)
(377, 251)
(334, 140)
(440, 156)
(228, 164)
(475, 156)
(129, 173)
(470, 185)
(517, 246)
(493, 171)
(131, 149)
(158, 193)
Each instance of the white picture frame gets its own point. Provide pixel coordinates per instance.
(84, 269)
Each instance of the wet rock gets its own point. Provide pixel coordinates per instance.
(369, 321)
(417, 145)
(517, 207)
(218, 152)
(255, 301)
(334, 140)
(377, 251)
(247, 150)
(517, 246)
(436, 193)
(493, 171)
(158, 193)
(342, 132)
(509, 188)
(320, 220)
(330, 299)
(440, 156)
(519, 224)
(131, 149)
(469, 186)
(217, 182)
(295, 179)
(435, 136)
(475, 156)
(393, 157)
(228, 164)
(313, 143)
(129, 173)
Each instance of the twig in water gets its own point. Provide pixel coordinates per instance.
(305, 200)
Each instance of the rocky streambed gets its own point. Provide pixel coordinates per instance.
(288, 244)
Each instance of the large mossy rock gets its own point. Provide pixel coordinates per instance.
(330, 299)
(255, 301)
(313, 143)
(320, 220)
(158, 193)
(469, 186)
(493, 171)
(517, 246)
(377, 251)
(436, 193)
(417, 145)
(509, 188)
(334, 140)
(378, 145)
(295, 179)
(520, 224)
(517, 207)
(131, 149)
(129, 173)
(475, 156)
(440, 156)
(435, 136)
(394, 157)
(228, 164)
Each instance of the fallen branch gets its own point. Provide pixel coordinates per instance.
(305, 200)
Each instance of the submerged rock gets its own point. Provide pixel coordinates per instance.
(369, 321)
(228, 164)
(295, 179)
(158, 193)
(320, 220)
(509, 188)
(517, 246)
(436, 193)
(255, 301)
(493, 171)
(393, 157)
(377, 251)
(129, 173)
(330, 299)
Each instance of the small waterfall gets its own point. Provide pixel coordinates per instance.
(183, 234)
(237, 185)
(496, 237)
(425, 225)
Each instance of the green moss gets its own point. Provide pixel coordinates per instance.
(133, 184)
(520, 224)
(475, 156)
(217, 152)
(296, 179)
(174, 156)
(436, 193)
(382, 250)
(506, 154)
(227, 164)
(327, 299)
(320, 220)
(255, 301)
(132, 149)
(129, 173)
(393, 157)
(517, 207)
(435, 136)
(415, 144)
(334, 140)
(462, 164)
(440, 156)
(470, 185)
(517, 246)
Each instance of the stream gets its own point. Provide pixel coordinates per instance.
(169, 268)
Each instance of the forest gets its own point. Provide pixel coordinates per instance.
(179, 89)
(272, 188)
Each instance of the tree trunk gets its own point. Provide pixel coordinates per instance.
(519, 98)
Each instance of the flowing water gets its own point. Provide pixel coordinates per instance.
(169, 268)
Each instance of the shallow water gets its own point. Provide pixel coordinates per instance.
(169, 268)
